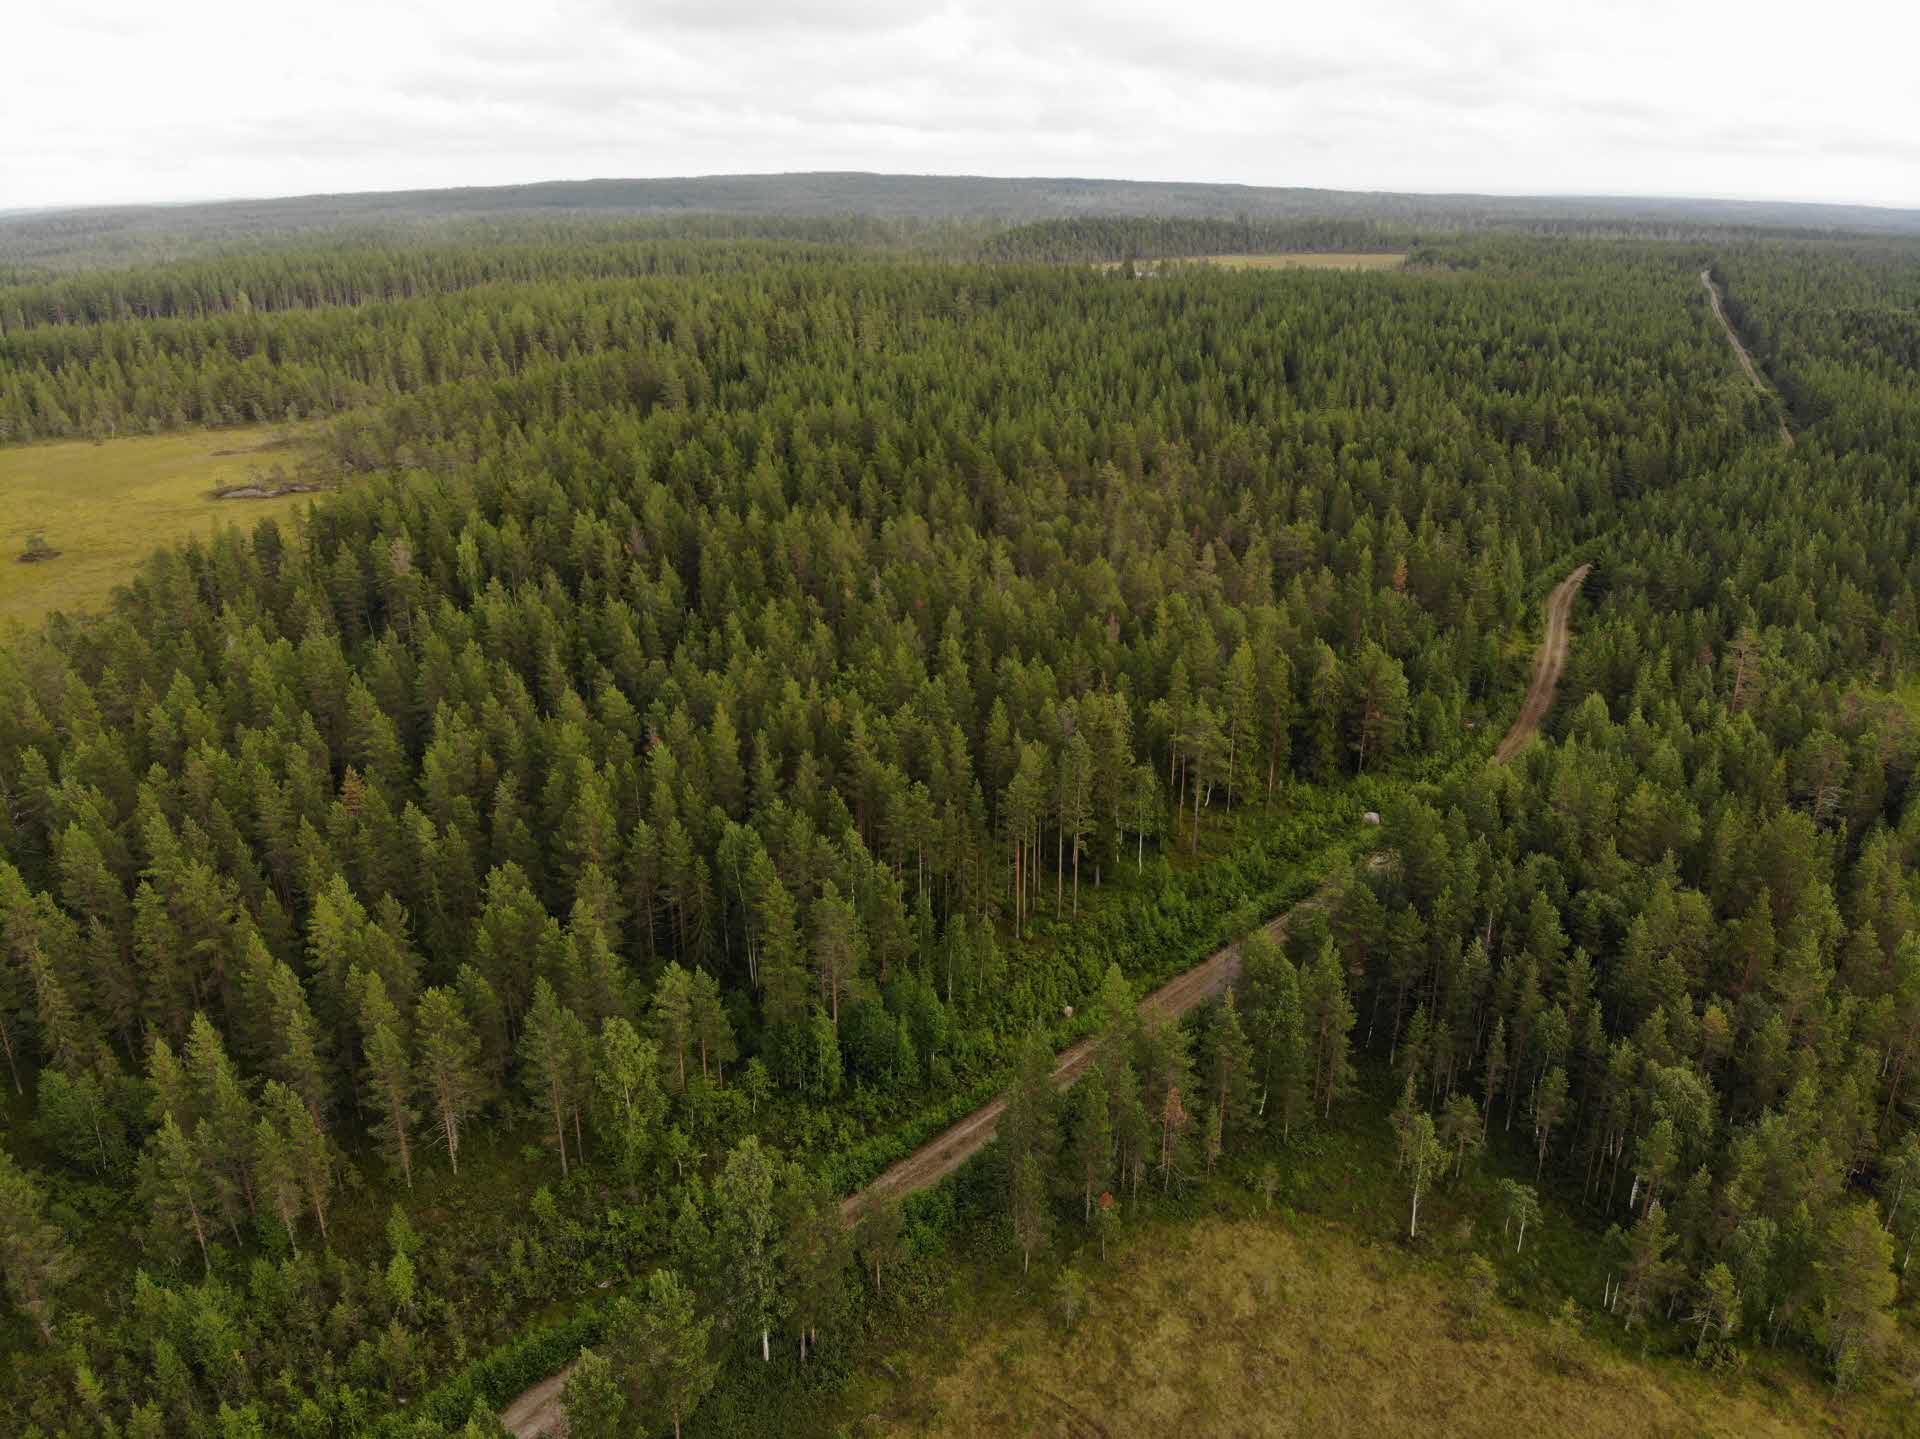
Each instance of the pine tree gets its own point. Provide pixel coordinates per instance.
(673, 1021)
(1650, 1275)
(223, 1133)
(81, 1119)
(817, 1249)
(555, 1063)
(1030, 1124)
(1329, 1020)
(663, 1354)
(1230, 1070)
(710, 1028)
(1031, 1210)
(389, 1079)
(594, 1401)
(881, 1237)
(1093, 1147)
(1854, 1277)
(1549, 1103)
(275, 1179)
(178, 1187)
(839, 948)
(447, 1068)
(1462, 1131)
(308, 1153)
(34, 1258)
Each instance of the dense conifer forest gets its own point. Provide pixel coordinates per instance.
(758, 686)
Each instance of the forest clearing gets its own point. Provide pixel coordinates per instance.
(1263, 1325)
(105, 505)
(1362, 261)
(1312, 260)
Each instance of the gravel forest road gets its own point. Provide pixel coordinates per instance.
(1548, 662)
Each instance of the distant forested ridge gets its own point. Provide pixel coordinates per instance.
(121, 235)
(755, 679)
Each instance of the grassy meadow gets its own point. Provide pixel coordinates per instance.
(1271, 1327)
(1288, 260)
(1309, 260)
(105, 505)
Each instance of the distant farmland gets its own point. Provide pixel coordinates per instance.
(1286, 260)
(1309, 261)
(102, 508)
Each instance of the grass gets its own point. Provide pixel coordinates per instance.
(1267, 1326)
(1309, 260)
(105, 506)
(1287, 260)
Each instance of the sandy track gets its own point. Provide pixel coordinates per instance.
(1740, 350)
(947, 1151)
(1548, 662)
(538, 1411)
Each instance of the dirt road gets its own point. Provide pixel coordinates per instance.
(538, 1411)
(1740, 350)
(1548, 661)
(946, 1152)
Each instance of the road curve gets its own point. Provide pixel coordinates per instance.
(1740, 350)
(538, 1411)
(1548, 662)
(947, 1151)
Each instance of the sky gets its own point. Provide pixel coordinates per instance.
(111, 101)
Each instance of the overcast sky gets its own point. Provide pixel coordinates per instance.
(118, 100)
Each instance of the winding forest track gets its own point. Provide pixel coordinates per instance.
(953, 1147)
(538, 1411)
(1740, 350)
(1548, 662)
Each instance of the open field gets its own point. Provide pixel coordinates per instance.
(1281, 1327)
(1289, 260)
(1309, 260)
(105, 506)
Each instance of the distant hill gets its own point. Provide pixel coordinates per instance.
(101, 233)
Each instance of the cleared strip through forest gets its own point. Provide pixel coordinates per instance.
(538, 1411)
(1548, 663)
(1740, 350)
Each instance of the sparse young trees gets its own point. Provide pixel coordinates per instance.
(1522, 1211)
(1420, 1158)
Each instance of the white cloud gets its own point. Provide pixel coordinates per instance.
(109, 100)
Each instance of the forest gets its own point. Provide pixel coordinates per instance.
(756, 688)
